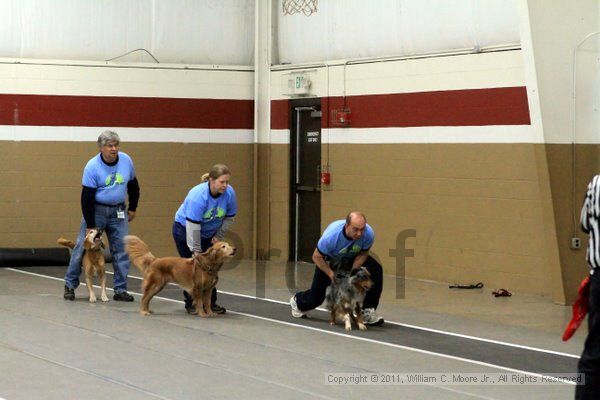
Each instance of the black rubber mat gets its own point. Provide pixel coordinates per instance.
(497, 354)
(53, 256)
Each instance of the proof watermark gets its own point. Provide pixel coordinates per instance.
(452, 379)
(400, 254)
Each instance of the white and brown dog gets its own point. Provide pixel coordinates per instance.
(92, 261)
(345, 296)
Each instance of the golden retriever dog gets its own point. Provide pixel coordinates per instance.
(92, 261)
(197, 275)
(345, 296)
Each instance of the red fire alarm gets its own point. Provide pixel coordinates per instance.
(341, 118)
(325, 175)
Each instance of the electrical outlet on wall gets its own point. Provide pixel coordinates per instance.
(575, 243)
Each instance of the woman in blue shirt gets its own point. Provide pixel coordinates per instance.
(203, 218)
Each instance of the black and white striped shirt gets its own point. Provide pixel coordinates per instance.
(590, 221)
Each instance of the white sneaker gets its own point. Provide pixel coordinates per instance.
(371, 317)
(296, 313)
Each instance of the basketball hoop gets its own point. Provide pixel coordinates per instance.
(306, 7)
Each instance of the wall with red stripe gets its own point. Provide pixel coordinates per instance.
(175, 123)
(444, 146)
(167, 104)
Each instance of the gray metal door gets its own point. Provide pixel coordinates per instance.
(306, 192)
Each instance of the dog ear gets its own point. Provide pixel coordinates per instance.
(211, 253)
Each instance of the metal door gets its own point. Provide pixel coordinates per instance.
(305, 173)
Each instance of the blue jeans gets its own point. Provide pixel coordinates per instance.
(180, 238)
(116, 229)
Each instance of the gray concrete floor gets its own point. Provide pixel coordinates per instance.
(54, 349)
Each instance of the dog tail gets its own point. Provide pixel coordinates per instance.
(66, 242)
(139, 252)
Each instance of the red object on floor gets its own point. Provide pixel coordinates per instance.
(501, 293)
(580, 309)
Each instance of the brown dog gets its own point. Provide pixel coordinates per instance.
(92, 261)
(198, 275)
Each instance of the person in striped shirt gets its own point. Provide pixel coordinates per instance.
(589, 362)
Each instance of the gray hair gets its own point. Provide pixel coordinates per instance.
(108, 137)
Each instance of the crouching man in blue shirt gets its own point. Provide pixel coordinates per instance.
(344, 243)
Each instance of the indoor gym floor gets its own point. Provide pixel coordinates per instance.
(56, 349)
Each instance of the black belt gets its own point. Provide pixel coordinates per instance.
(110, 205)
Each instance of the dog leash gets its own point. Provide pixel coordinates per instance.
(478, 285)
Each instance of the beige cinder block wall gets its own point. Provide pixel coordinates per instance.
(174, 123)
(567, 199)
(476, 209)
(42, 187)
(444, 147)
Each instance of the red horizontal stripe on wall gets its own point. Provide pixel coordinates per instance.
(280, 114)
(144, 112)
(471, 107)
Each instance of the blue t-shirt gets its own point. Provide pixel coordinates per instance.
(200, 207)
(110, 181)
(340, 249)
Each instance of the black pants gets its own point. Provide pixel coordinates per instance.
(314, 297)
(589, 363)
(179, 236)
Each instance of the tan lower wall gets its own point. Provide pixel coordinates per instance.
(263, 200)
(279, 204)
(496, 213)
(568, 199)
(476, 210)
(493, 213)
(40, 188)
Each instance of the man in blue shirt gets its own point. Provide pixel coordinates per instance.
(108, 179)
(343, 246)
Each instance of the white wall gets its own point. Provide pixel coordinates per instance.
(587, 92)
(97, 80)
(174, 31)
(554, 32)
(471, 71)
(352, 29)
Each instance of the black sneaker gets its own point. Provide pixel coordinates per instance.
(69, 293)
(122, 296)
(217, 309)
(191, 310)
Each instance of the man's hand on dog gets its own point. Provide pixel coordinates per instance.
(130, 215)
(331, 275)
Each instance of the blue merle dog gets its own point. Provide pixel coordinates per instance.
(345, 296)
